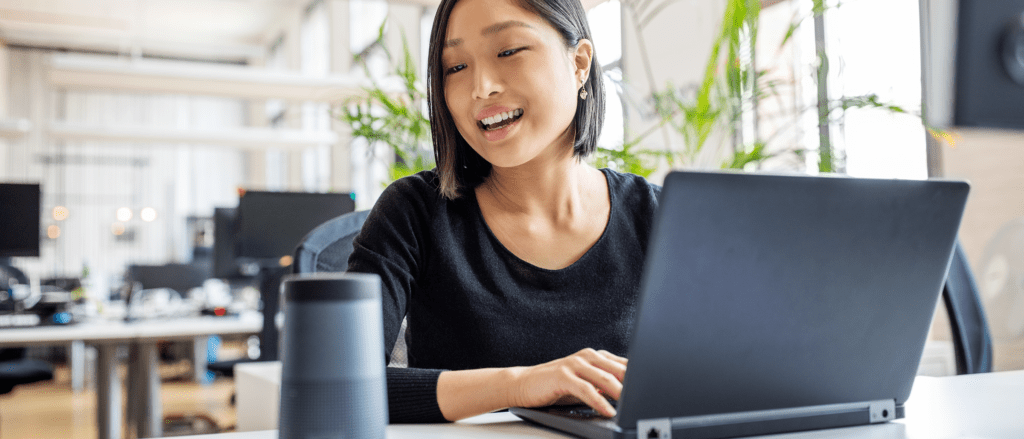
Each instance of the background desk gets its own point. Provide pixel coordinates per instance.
(145, 414)
(976, 406)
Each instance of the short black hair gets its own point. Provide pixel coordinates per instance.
(459, 167)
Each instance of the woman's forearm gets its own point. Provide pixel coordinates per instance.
(465, 393)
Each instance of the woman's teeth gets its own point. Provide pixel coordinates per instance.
(495, 122)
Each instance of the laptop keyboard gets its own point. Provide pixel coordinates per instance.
(583, 413)
(578, 411)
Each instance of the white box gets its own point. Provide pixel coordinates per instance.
(257, 392)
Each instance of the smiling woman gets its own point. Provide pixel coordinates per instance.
(526, 44)
(516, 264)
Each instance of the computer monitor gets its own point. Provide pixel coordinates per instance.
(20, 211)
(178, 277)
(271, 224)
(225, 243)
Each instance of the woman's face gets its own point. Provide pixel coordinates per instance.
(510, 83)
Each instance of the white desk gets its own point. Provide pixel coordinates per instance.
(970, 406)
(145, 414)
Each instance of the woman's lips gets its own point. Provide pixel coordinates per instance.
(500, 133)
(491, 111)
(501, 119)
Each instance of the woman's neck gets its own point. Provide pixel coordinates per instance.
(558, 188)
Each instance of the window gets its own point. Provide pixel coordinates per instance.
(607, 17)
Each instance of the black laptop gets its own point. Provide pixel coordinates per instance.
(774, 303)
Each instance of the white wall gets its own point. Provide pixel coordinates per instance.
(677, 42)
(93, 179)
(178, 180)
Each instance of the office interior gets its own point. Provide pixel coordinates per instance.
(150, 127)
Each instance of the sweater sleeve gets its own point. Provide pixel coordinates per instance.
(412, 396)
(392, 244)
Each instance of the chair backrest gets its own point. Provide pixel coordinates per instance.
(972, 342)
(24, 371)
(328, 246)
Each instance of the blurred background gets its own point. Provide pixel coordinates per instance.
(139, 120)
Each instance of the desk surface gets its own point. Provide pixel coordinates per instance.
(969, 406)
(102, 331)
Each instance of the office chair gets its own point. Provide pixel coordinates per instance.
(327, 248)
(972, 342)
(19, 370)
(15, 369)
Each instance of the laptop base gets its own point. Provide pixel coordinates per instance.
(718, 426)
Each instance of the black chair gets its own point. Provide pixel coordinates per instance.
(19, 370)
(972, 342)
(15, 369)
(328, 246)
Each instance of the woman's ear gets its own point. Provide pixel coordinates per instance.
(583, 56)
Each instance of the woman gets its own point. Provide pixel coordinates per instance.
(517, 265)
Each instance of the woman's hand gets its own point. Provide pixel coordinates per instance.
(588, 376)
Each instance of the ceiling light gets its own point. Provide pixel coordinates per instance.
(147, 214)
(60, 213)
(124, 214)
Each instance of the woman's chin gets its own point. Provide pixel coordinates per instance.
(506, 161)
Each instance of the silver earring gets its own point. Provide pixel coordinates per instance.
(583, 94)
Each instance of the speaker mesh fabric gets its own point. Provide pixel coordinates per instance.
(340, 409)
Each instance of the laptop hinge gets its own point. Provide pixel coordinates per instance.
(661, 428)
(882, 411)
(658, 428)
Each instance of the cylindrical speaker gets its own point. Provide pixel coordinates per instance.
(333, 372)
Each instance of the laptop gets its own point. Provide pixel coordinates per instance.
(779, 303)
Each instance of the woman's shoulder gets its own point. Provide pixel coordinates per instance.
(417, 199)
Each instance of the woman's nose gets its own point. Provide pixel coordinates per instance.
(487, 83)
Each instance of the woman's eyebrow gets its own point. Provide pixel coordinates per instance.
(492, 29)
(495, 28)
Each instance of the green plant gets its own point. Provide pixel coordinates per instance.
(731, 87)
(630, 158)
(717, 101)
(394, 116)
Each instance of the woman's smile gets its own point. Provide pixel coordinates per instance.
(497, 122)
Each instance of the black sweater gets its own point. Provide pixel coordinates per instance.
(473, 304)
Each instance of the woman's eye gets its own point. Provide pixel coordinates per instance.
(454, 69)
(509, 52)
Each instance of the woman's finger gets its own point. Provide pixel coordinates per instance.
(613, 357)
(603, 362)
(601, 380)
(587, 393)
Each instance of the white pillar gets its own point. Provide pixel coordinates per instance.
(5, 54)
(341, 62)
(293, 110)
(255, 161)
